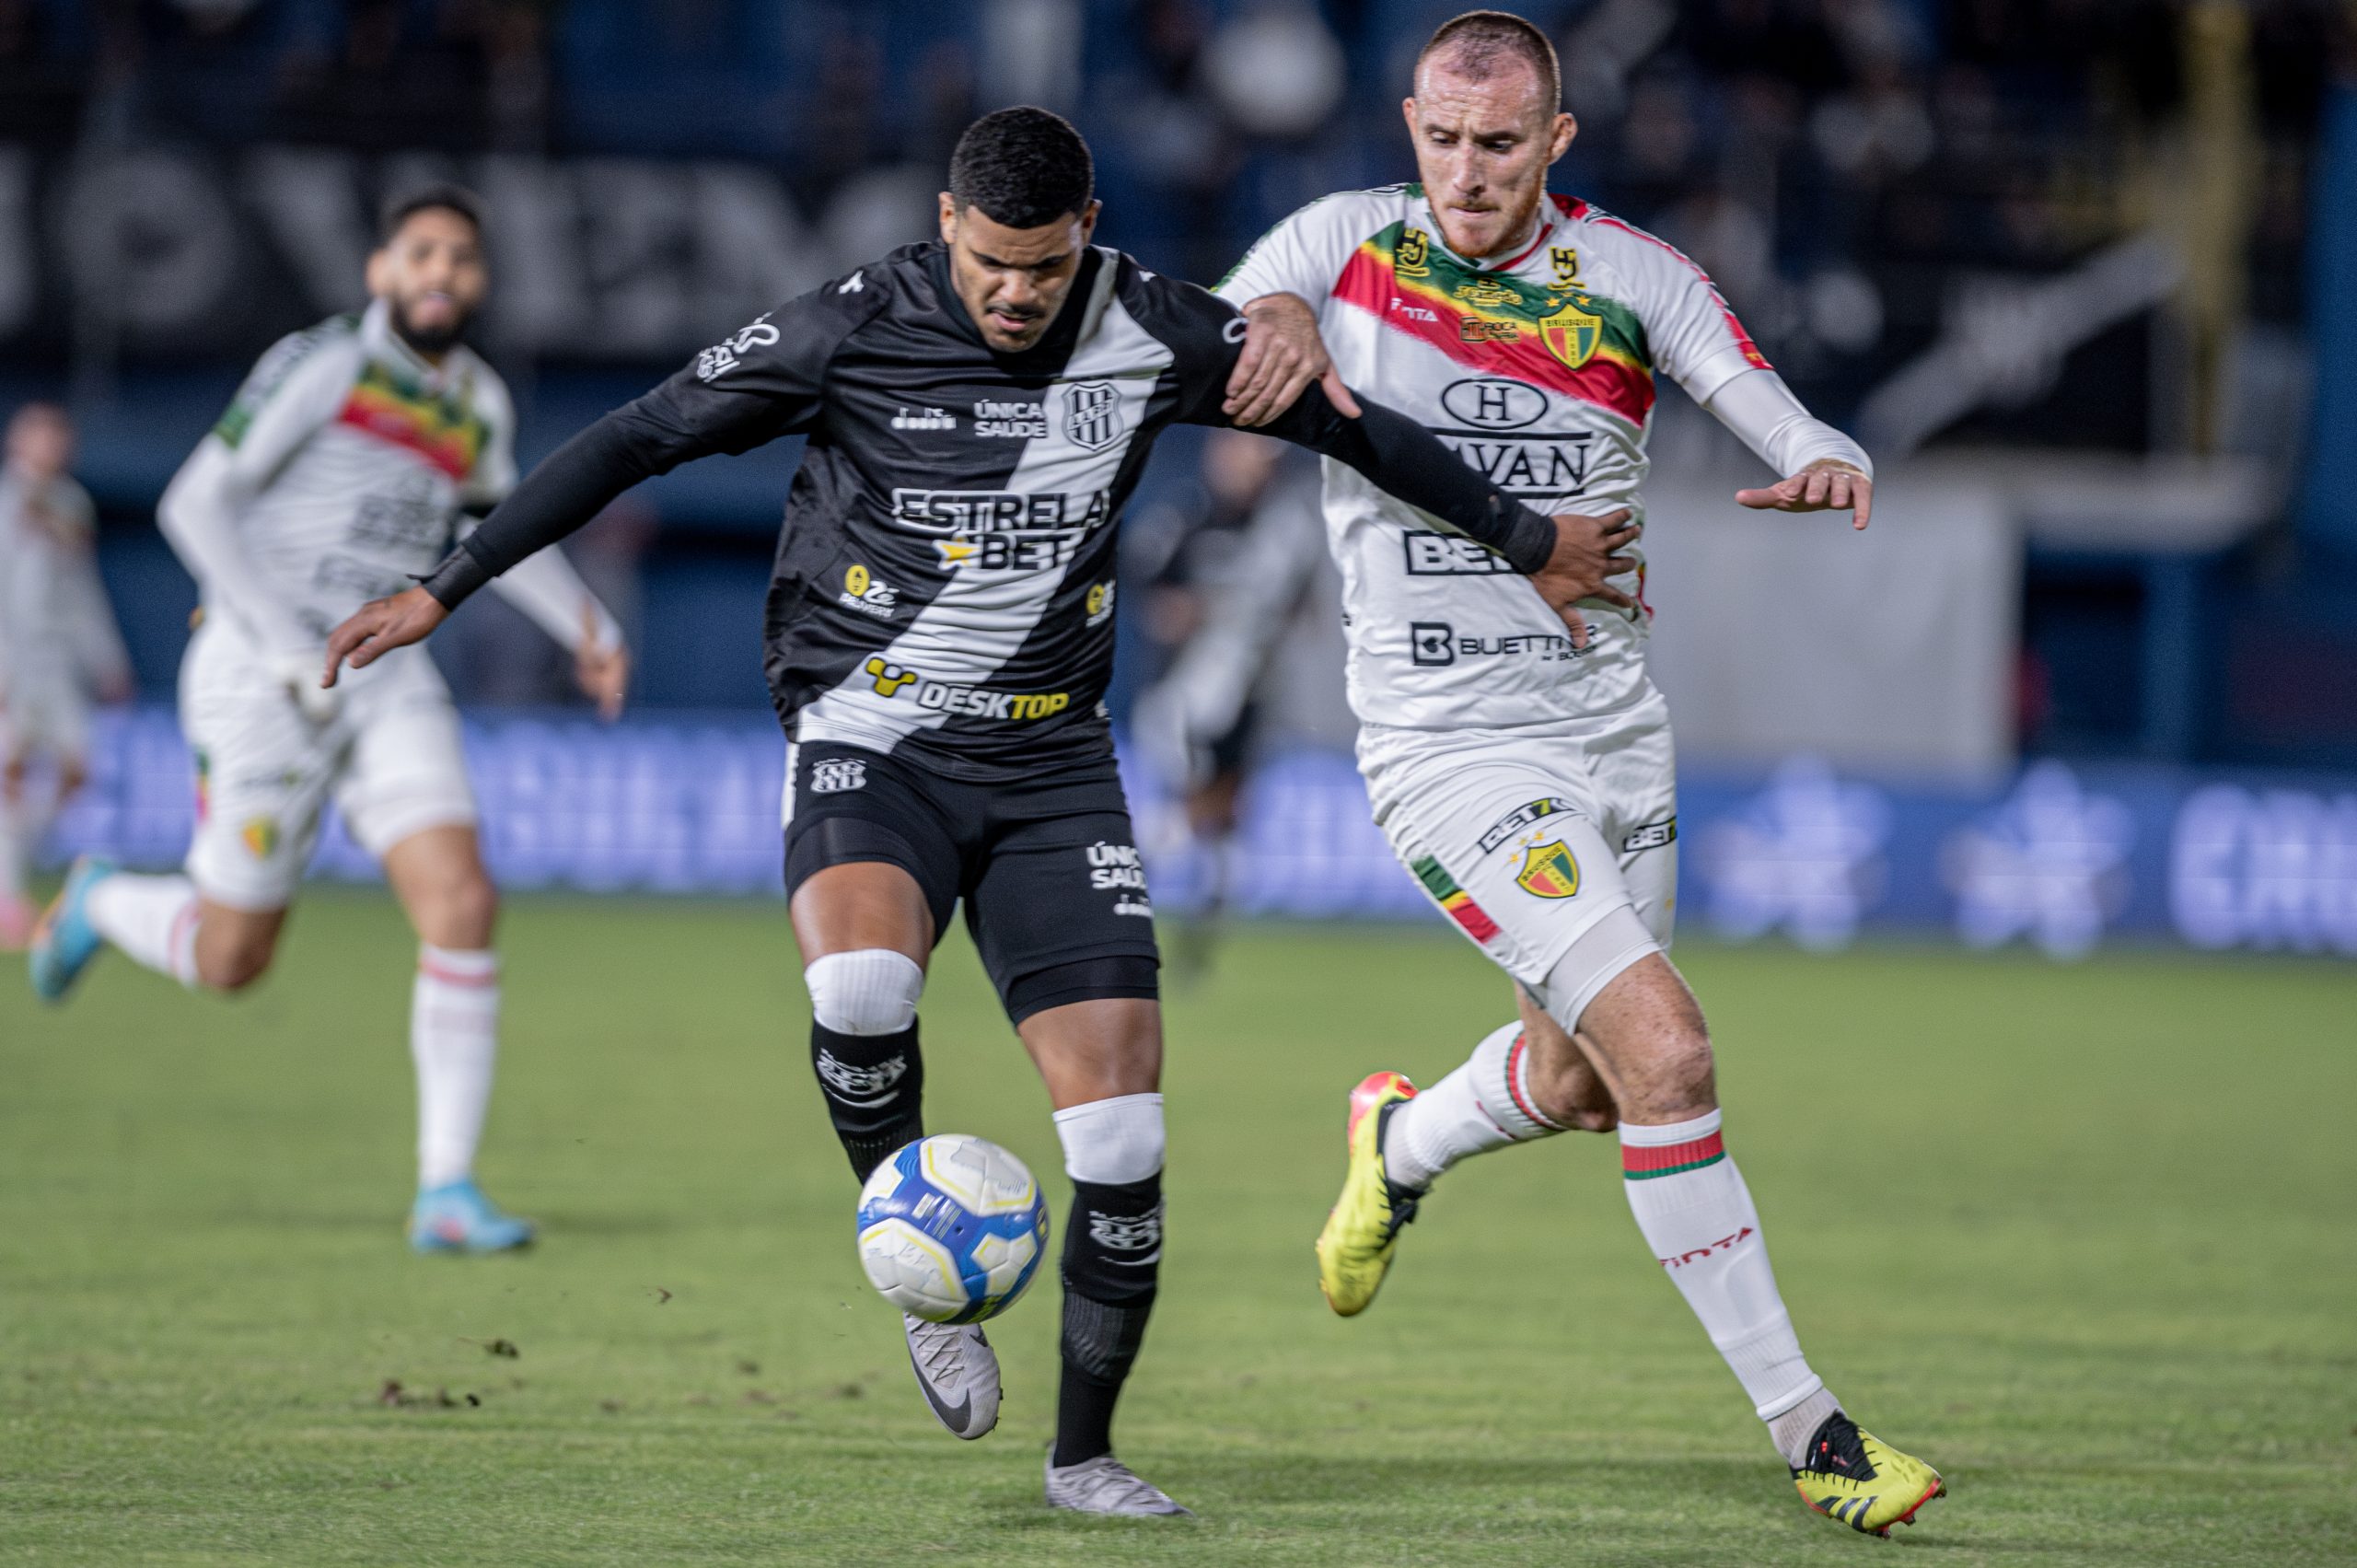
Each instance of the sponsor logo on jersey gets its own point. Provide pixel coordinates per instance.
(967, 701)
(1412, 258)
(1115, 867)
(1525, 465)
(1093, 414)
(1413, 312)
(1482, 329)
(1452, 555)
(863, 593)
(1522, 816)
(1437, 643)
(1000, 511)
(1127, 1233)
(923, 419)
(1493, 402)
(1565, 259)
(1486, 292)
(729, 352)
(1571, 334)
(1100, 603)
(891, 678)
(838, 775)
(1653, 835)
(852, 1081)
(1011, 420)
(1549, 871)
(1008, 552)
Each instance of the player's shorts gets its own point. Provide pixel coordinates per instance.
(391, 759)
(1048, 867)
(1538, 845)
(45, 719)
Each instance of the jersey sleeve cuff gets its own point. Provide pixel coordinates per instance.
(1529, 543)
(461, 573)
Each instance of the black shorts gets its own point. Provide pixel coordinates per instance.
(1047, 866)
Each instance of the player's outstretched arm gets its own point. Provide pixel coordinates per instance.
(378, 627)
(1282, 354)
(1824, 470)
(1567, 558)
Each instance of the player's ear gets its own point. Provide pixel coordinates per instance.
(1088, 219)
(379, 274)
(1408, 112)
(1566, 128)
(948, 218)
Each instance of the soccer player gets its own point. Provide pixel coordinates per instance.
(938, 641)
(1524, 777)
(337, 475)
(58, 644)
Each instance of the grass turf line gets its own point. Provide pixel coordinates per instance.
(2078, 1236)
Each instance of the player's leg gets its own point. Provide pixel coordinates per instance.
(1062, 920)
(263, 773)
(16, 846)
(1647, 1040)
(871, 870)
(406, 800)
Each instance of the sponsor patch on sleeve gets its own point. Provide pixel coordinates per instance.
(1653, 835)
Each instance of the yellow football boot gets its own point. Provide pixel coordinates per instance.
(1355, 1249)
(1857, 1480)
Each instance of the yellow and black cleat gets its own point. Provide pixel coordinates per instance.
(1855, 1479)
(1355, 1249)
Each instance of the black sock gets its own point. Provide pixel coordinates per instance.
(875, 1089)
(1112, 1255)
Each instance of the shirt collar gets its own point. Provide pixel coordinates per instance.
(1509, 261)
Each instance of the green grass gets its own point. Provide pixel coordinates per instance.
(2078, 1235)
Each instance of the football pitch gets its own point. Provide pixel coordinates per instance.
(2080, 1236)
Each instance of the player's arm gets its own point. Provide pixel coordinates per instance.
(761, 383)
(1696, 339)
(545, 586)
(292, 393)
(1273, 284)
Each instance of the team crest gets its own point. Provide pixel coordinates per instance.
(1093, 414)
(1570, 334)
(1549, 871)
(260, 836)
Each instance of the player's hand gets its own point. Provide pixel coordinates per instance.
(1282, 354)
(1828, 484)
(378, 627)
(603, 669)
(1584, 558)
(297, 677)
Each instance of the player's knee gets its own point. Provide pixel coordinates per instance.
(232, 966)
(872, 991)
(466, 912)
(1112, 1142)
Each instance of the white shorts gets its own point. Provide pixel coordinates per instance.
(391, 759)
(47, 719)
(1531, 842)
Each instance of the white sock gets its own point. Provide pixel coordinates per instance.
(1697, 1215)
(1484, 1105)
(15, 849)
(151, 919)
(454, 1038)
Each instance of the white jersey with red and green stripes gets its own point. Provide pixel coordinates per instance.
(1536, 368)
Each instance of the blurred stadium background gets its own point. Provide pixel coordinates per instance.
(2080, 274)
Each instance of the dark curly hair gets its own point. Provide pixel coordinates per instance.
(440, 197)
(1023, 167)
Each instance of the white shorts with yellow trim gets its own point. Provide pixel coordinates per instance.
(391, 759)
(1527, 841)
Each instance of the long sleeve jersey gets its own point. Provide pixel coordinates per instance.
(942, 584)
(1536, 368)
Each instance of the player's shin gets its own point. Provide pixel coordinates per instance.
(454, 1040)
(864, 1048)
(151, 920)
(1485, 1104)
(1697, 1215)
(1111, 1261)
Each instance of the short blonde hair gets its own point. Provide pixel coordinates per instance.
(1481, 41)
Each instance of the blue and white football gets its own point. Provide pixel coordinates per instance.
(951, 1228)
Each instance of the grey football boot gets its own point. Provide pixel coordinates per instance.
(1104, 1485)
(958, 1372)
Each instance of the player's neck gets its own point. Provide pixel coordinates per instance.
(1523, 234)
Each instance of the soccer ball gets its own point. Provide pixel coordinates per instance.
(951, 1228)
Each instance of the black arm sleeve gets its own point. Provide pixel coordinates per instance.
(762, 382)
(1407, 460)
(1206, 335)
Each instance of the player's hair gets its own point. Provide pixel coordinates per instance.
(441, 196)
(1023, 167)
(1482, 42)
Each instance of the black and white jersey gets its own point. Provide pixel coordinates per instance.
(944, 583)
